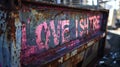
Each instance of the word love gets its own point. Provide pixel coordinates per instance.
(61, 31)
(49, 34)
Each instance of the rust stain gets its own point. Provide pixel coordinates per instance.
(11, 29)
(41, 14)
(46, 15)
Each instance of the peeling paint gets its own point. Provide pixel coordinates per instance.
(10, 39)
(16, 48)
(4, 47)
(36, 35)
(43, 30)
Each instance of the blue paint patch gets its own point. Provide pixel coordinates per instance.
(4, 51)
(0, 65)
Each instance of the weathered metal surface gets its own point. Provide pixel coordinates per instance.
(91, 53)
(48, 31)
(10, 39)
(3, 47)
(39, 34)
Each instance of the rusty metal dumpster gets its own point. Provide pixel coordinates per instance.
(39, 34)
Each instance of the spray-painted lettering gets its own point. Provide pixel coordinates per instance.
(42, 34)
(45, 31)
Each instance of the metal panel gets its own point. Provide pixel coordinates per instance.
(90, 54)
(10, 39)
(45, 27)
(4, 50)
(40, 33)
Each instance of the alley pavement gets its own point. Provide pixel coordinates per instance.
(112, 59)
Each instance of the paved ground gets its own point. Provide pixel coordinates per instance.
(112, 59)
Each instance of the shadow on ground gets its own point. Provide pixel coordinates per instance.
(112, 59)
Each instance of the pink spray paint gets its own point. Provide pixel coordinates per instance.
(65, 30)
(38, 32)
(55, 35)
